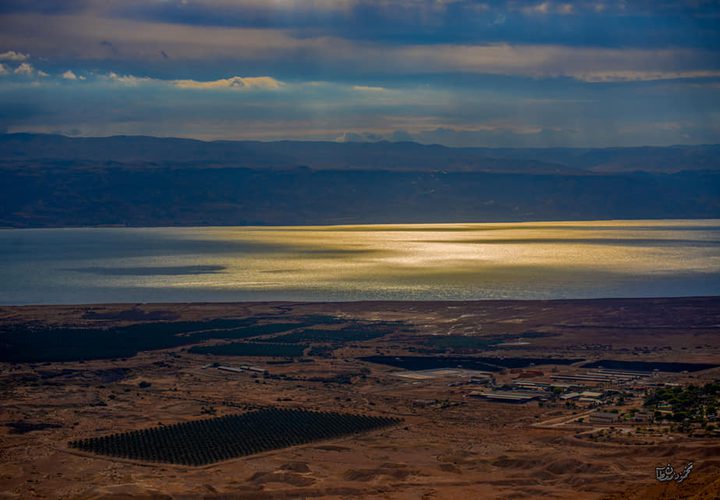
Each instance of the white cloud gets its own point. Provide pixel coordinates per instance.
(42, 74)
(144, 41)
(3, 69)
(544, 8)
(587, 64)
(541, 8)
(359, 137)
(551, 61)
(24, 69)
(128, 80)
(365, 88)
(642, 76)
(11, 55)
(86, 37)
(281, 5)
(234, 82)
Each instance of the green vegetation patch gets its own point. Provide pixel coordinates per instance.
(202, 442)
(692, 403)
(251, 349)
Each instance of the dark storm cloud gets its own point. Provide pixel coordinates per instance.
(621, 23)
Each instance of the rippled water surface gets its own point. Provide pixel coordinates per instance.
(413, 262)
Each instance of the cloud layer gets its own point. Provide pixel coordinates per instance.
(457, 72)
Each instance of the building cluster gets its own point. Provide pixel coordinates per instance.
(601, 377)
(589, 388)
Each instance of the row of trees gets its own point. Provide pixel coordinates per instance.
(201, 442)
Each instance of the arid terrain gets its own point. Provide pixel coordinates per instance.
(453, 442)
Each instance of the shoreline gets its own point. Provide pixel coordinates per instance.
(369, 225)
(300, 303)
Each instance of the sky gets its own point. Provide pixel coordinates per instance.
(454, 72)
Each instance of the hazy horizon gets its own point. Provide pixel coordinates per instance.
(365, 141)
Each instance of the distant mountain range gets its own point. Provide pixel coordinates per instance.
(407, 156)
(50, 180)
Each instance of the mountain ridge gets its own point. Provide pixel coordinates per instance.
(383, 155)
(56, 181)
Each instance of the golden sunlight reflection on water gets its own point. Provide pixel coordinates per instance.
(439, 261)
(392, 257)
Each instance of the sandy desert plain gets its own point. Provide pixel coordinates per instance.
(453, 441)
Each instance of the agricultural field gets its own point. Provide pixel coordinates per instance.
(472, 343)
(251, 349)
(244, 332)
(27, 343)
(202, 442)
(350, 334)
